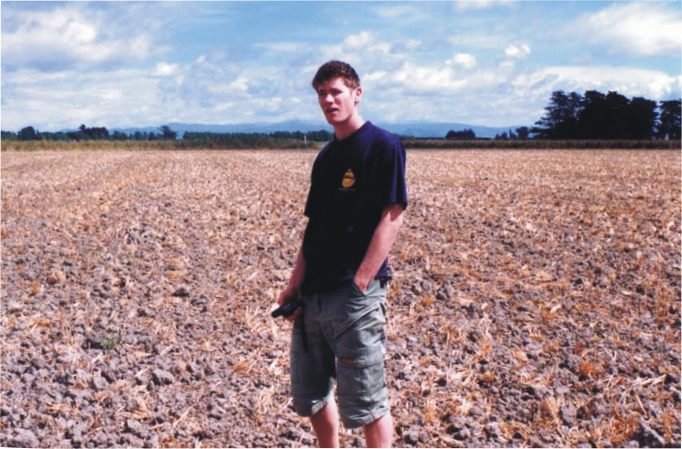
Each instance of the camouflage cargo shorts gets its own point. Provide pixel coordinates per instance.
(341, 339)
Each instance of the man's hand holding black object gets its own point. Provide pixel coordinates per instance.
(286, 309)
(289, 305)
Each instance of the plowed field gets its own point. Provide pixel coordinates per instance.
(536, 299)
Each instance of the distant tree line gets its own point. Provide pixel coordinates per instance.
(465, 134)
(522, 133)
(85, 133)
(277, 139)
(596, 115)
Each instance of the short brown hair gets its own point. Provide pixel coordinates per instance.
(333, 69)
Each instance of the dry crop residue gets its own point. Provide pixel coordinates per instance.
(536, 299)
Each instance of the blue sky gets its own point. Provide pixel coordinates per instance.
(120, 64)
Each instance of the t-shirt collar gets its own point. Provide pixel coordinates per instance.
(355, 133)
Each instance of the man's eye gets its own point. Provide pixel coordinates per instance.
(333, 93)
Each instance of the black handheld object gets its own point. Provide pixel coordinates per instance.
(287, 308)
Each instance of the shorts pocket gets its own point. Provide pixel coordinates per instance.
(361, 386)
(360, 377)
(362, 320)
(363, 341)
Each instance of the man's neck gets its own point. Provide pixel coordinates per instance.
(345, 129)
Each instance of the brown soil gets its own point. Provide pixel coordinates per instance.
(536, 299)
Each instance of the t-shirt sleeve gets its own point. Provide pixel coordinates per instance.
(392, 188)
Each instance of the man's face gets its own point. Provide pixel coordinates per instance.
(338, 101)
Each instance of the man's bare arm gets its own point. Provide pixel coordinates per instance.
(382, 241)
(295, 280)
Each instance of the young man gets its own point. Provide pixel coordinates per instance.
(355, 207)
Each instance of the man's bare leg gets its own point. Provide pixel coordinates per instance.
(379, 433)
(326, 425)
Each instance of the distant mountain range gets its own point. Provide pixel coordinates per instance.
(413, 129)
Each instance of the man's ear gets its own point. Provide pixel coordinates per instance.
(358, 94)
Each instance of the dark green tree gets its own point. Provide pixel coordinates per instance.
(641, 118)
(669, 120)
(561, 118)
(167, 133)
(593, 117)
(465, 134)
(617, 107)
(9, 135)
(59, 135)
(28, 133)
(119, 135)
(319, 136)
(97, 133)
(523, 132)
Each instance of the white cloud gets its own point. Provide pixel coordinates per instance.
(464, 60)
(70, 36)
(431, 80)
(284, 47)
(464, 5)
(364, 52)
(627, 81)
(358, 41)
(517, 52)
(375, 76)
(633, 28)
(481, 41)
(165, 69)
(407, 12)
(413, 44)
(501, 96)
(419, 78)
(53, 101)
(207, 90)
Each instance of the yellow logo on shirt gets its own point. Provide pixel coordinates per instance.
(348, 179)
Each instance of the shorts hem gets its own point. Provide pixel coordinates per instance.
(313, 409)
(367, 419)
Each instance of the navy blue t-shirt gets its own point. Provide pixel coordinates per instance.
(352, 181)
